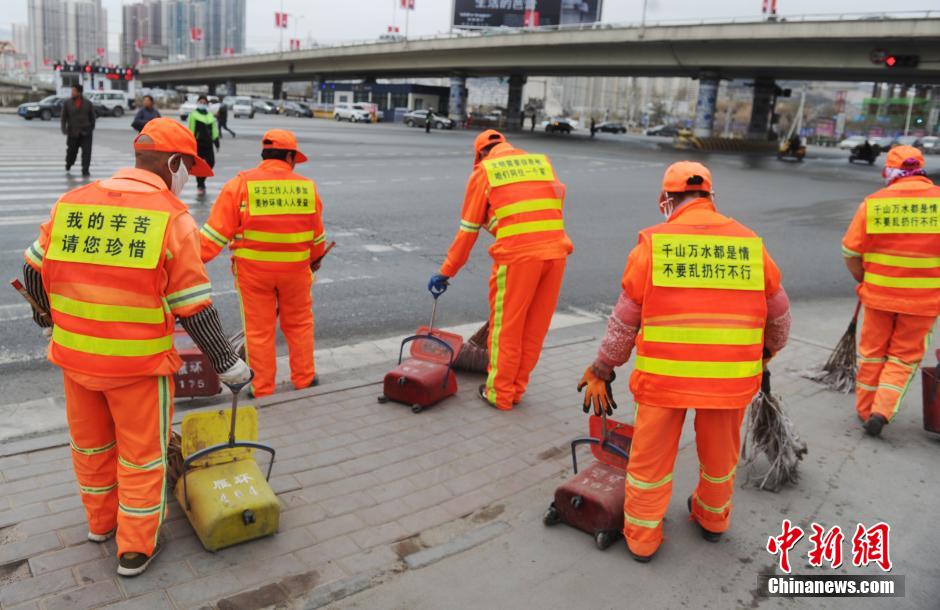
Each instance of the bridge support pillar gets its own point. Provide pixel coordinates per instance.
(277, 89)
(211, 88)
(230, 87)
(457, 106)
(761, 108)
(706, 104)
(514, 103)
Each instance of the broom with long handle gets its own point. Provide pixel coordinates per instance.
(839, 371)
(771, 432)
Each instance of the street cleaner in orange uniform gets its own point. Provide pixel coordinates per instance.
(116, 265)
(517, 197)
(273, 218)
(703, 305)
(892, 249)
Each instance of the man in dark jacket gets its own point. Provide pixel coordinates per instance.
(203, 125)
(146, 113)
(78, 123)
(223, 119)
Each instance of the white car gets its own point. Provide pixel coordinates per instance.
(240, 105)
(117, 102)
(931, 145)
(193, 100)
(354, 113)
(851, 142)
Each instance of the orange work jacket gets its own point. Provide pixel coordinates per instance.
(896, 232)
(119, 260)
(272, 216)
(517, 197)
(702, 280)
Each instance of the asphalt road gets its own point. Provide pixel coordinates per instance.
(392, 197)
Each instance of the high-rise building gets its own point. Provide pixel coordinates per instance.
(186, 28)
(66, 29)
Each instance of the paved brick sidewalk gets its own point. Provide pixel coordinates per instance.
(363, 486)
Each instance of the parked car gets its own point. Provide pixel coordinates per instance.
(193, 100)
(914, 141)
(611, 127)
(418, 118)
(117, 102)
(239, 106)
(931, 145)
(558, 125)
(44, 109)
(666, 131)
(354, 113)
(264, 106)
(851, 142)
(883, 143)
(297, 109)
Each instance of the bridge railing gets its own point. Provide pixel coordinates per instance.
(504, 31)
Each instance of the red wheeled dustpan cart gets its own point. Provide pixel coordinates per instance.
(592, 500)
(930, 379)
(196, 378)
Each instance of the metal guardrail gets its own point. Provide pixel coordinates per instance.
(506, 31)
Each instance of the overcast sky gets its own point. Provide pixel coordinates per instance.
(338, 20)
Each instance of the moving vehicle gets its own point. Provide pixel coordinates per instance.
(299, 109)
(264, 106)
(117, 102)
(667, 131)
(931, 145)
(418, 118)
(354, 113)
(883, 143)
(860, 153)
(193, 100)
(794, 149)
(851, 142)
(240, 105)
(558, 125)
(611, 127)
(44, 109)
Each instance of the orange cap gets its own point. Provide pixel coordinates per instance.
(687, 176)
(281, 139)
(905, 157)
(486, 138)
(167, 135)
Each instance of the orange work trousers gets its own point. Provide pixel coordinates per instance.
(889, 352)
(119, 430)
(652, 459)
(265, 296)
(523, 296)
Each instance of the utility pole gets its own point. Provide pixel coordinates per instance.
(912, 93)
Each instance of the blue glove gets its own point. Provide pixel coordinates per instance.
(437, 285)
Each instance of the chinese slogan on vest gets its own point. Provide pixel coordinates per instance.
(708, 261)
(107, 235)
(518, 168)
(269, 197)
(903, 215)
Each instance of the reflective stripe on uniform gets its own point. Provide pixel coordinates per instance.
(494, 222)
(110, 347)
(900, 362)
(319, 239)
(92, 450)
(498, 309)
(188, 296)
(96, 491)
(528, 205)
(889, 281)
(140, 512)
(718, 480)
(644, 485)
(106, 313)
(536, 226)
(35, 253)
(700, 369)
(712, 509)
(641, 522)
(865, 386)
(469, 227)
(163, 390)
(850, 253)
(870, 360)
(271, 257)
(703, 335)
(907, 262)
(149, 466)
(279, 238)
(213, 235)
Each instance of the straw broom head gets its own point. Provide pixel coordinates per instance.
(771, 432)
(839, 371)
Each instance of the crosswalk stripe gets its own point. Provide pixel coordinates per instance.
(23, 220)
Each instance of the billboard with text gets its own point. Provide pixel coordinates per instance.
(474, 14)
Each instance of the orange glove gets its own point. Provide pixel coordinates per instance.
(598, 392)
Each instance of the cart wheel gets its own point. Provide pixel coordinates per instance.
(551, 516)
(416, 408)
(577, 501)
(382, 399)
(603, 540)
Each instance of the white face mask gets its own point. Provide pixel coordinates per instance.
(667, 206)
(180, 176)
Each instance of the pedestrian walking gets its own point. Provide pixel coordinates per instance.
(78, 124)
(427, 122)
(892, 249)
(146, 113)
(205, 128)
(223, 118)
(534, 115)
(708, 298)
(273, 218)
(593, 127)
(117, 265)
(522, 208)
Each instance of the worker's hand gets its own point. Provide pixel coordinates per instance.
(47, 332)
(237, 376)
(599, 393)
(314, 267)
(217, 144)
(437, 285)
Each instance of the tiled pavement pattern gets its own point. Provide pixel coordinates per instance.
(357, 482)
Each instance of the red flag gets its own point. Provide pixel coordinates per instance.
(280, 20)
(195, 34)
(100, 51)
(408, 4)
(70, 57)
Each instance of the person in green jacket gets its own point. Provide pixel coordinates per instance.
(206, 129)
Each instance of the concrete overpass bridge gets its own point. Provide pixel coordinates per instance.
(826, 49)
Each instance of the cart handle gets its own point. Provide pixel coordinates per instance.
(450, 365)
(227, 445)
(590, 440)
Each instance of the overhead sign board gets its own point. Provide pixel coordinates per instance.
(479, 14)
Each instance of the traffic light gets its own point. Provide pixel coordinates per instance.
(902, 61)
